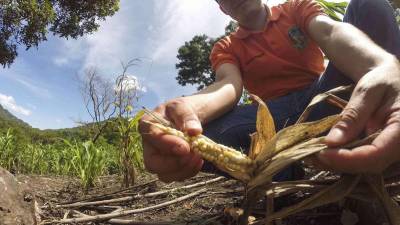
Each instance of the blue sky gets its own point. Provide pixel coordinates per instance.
(42, 87)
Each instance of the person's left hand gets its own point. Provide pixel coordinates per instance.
(373, 106)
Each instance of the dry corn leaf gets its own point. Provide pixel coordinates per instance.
(328, 195)
(265, 129)
(293, 135)
(391, 207)
(322, 97)
(265, 172)
(285, 188)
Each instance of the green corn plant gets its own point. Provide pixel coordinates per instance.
(113, 165)
(130, 147)
(35, 159)
(8, 151)
(136, 148)
(334, 9)
(88, 162)
(62, 162)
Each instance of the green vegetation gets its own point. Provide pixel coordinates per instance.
(334, 9)
(67, 152)
(89, 161)
(28, 22)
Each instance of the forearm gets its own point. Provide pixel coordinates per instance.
(218, 98)
(349, 49)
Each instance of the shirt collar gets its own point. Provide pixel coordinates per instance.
(273, 14)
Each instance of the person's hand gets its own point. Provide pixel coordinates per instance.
(373, 106)
(168, 156)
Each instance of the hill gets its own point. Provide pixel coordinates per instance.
(26, 134)
(6, 116)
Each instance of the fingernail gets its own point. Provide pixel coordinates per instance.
(336, 134)
(192, 124)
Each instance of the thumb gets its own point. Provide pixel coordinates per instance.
(354, 117)
(184, 117)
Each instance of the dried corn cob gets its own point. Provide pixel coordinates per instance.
(226, 158)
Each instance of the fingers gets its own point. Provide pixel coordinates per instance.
(354, 118)
(166, 144)
(162, 152)
(373, 158)
(184, 117)
(156, 162)
(166, 155)
(189, 169)
(171, 168)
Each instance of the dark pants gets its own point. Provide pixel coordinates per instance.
(375, 18)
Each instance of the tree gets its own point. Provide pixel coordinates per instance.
(27, 22)
(99, 98)
(112, 104)
(194, 66)
(193, 57)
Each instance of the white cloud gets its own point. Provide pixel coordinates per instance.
(37, 90)
(61, 61)
(106, 47)
(178, 21)
(29, 84)
(69, 51)
(9, 103)
(130, 83)
(103, 49)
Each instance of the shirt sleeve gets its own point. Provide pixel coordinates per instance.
(305, 11)
(222, 53)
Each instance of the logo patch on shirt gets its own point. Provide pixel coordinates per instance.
(297, 37)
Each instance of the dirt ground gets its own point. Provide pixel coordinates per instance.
(209, 207)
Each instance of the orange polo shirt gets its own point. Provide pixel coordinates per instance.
(280, 59)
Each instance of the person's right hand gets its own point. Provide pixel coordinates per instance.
(168, 156)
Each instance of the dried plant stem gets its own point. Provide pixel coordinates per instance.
(129, 222)
(101, 197)
(133, 222)
(270, 207)
(128, 212)
(138, 196)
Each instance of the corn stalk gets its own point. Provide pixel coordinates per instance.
(88, 161)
